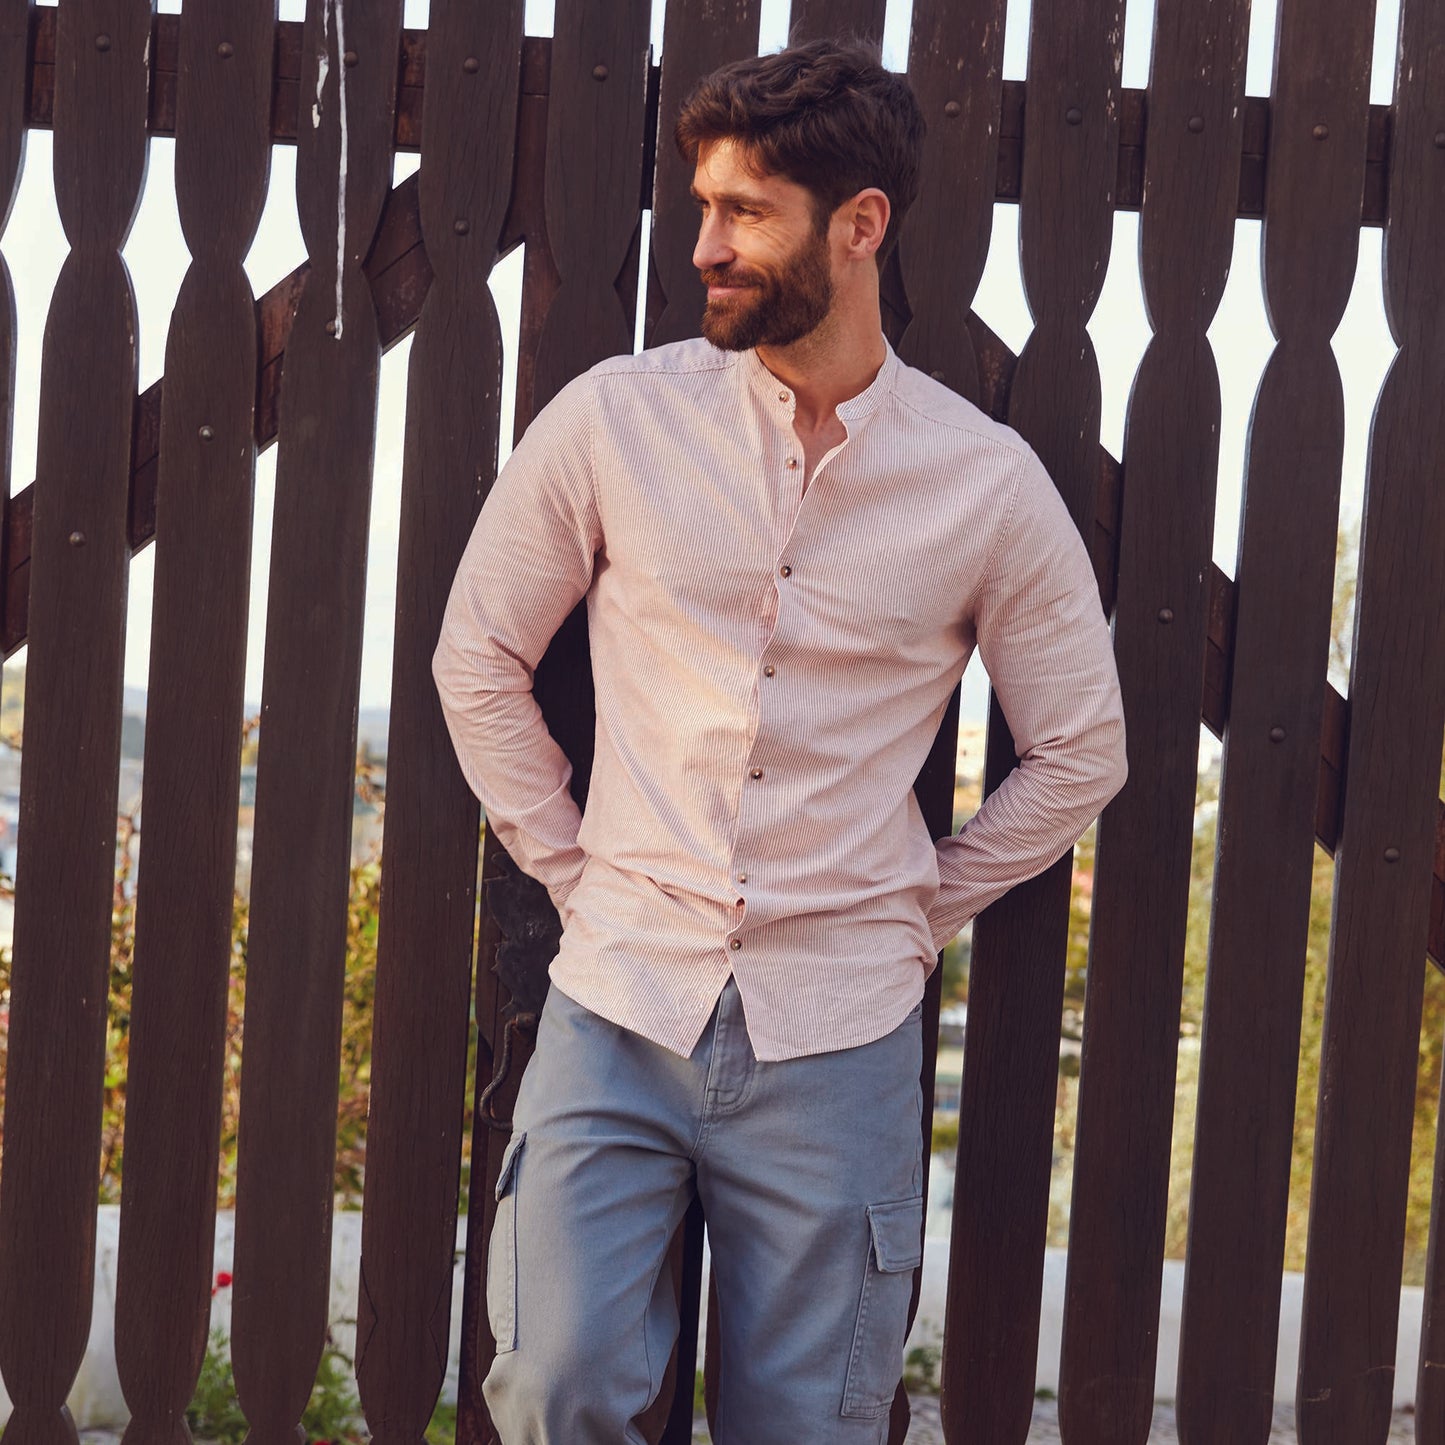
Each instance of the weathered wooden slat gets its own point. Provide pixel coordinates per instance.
(955, 69)
(65, 869)
(1065, 230)
(429, 865)
(1368, 1057)
(595, 136)
(184, 908)
(15, 20)
(474, 1424)
(1146, 835)
(1273, 742)
(525, 221)
(581, 213)
(825, 19)
(934, 788)
(580, 244)
(696, 40)
(296, 948)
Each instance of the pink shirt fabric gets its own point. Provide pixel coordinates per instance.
(771, 666)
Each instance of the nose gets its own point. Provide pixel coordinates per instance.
(712, 249)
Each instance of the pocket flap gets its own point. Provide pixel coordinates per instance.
(897, 1234)
(509, 1163)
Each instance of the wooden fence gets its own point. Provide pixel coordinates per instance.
(555, 144)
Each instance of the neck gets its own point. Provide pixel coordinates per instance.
(831, 364)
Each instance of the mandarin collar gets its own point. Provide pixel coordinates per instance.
(768, 388)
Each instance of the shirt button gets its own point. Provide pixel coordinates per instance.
(782, 396)
(785, 570)
(792, 462)
(756, 774)
(742, 877)
(742, 902)
(736, 944)
(769, 670)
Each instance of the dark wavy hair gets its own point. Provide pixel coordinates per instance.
(826, 115)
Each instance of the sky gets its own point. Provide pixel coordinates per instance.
(34, 247)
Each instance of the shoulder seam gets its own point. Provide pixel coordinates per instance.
(1018, 449)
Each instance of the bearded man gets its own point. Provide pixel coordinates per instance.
(790, 544)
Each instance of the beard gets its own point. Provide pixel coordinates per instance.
(778, 307)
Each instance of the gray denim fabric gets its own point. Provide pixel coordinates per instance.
(810, 1172)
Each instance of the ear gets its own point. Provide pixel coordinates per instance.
(865, 219)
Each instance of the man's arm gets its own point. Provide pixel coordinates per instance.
(528, 563)
(1044, 640)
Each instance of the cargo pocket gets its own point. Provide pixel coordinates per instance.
(895, 1250)
(502, 1253)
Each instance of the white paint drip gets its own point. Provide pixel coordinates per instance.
(323, 63)
(341, 170)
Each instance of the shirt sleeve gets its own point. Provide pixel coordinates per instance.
(1045, 641)
(528, 563)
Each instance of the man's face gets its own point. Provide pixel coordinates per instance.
(762, 256)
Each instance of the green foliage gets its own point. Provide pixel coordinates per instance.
(945, 1132)
(956, 959)
(333, 1414)
(920, 1369)
(442, 1428)
(214, 1412)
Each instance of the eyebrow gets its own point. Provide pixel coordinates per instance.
(733, 198)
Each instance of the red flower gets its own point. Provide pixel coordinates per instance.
(223, 1280)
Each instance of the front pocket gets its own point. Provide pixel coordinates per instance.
(502, 1252)
(895, 1250)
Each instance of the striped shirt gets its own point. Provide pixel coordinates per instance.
(772, 662)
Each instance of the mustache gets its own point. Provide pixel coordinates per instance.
(730, 277)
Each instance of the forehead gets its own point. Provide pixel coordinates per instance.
(724, 168)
